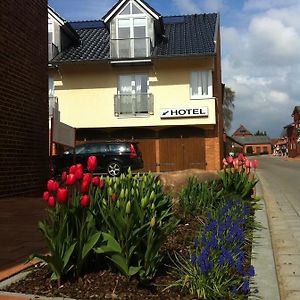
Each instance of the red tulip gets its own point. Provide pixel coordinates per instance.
(92, 163)
(229, 159)
(71, 179)
(78, 173)
(87, 177)
(113, 197)
(50, 185)
(79, 166)
(51, 201)
(46, 196)
(241, 157)
(72, 169)
(64, 176)
(84, 187)
(62, 195)
(247, 163)
(85, 201)
(96, 181)
(225, 163)
(255, 163)
(102, 184)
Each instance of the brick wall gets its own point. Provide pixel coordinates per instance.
(23, 97)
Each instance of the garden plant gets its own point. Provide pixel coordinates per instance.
(125, 225)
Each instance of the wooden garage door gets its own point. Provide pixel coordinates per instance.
(182, 153)
(147, 146)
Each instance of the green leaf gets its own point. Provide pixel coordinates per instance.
(88, 246)
(133, 270)
(68, 254)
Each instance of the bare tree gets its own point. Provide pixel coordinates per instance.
(228, 107)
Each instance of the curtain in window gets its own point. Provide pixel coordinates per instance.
(125, 94)
(200, 83)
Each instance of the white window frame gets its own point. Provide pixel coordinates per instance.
(200, 95)
(51, 26)
(131, 18)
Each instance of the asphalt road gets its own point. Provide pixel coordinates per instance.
(280, 181)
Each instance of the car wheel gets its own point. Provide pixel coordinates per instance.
(114, 169)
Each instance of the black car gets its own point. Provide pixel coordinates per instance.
(113, 157)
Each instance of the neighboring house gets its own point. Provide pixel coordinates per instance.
(23, 97)
(293, 133)
(256, 144)
(138, 75)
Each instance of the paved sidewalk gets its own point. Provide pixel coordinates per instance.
(284, 223)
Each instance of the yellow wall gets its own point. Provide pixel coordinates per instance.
(86, 93)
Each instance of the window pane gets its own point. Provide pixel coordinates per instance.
(136, 10)
(194, 83)
(123, 28)
(126, 10)
(204, 82)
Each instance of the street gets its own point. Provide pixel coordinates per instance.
(280, 179)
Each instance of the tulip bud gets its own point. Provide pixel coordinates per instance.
(128, 207)
(92, 163)
(126, 193)
(152, 222)
(109, 191)
(152, 206)
(152, 196)
(132, 191)
(79, 166)
(137, 192)
(115, 186)
(255, 163)
(144, 202)
(118, 204)
(51, 185)
(121, 196)
(102, 184)
(158, 183)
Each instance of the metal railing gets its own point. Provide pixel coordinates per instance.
(130, 48)
(52, 51)
(134, 104)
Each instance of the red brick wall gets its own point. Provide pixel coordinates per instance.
(23, 97)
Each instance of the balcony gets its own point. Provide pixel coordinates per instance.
(134, 105)
(52, 51)
(130, 48)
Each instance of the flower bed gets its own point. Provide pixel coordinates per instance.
(122, 238)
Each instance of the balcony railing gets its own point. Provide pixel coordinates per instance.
(134, 104)
(130, 48)
(52, 51)
(53, 106)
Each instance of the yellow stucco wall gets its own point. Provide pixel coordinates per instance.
(86, 93)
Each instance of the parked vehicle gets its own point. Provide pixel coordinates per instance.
(113, 157)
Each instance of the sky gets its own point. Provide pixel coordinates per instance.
(260, 42)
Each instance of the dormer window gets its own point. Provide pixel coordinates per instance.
(131, 32)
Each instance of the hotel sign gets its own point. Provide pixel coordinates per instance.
(167, 113)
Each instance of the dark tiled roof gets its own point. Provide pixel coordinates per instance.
(184, 36)
(253, 140)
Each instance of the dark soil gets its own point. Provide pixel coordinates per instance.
(106, 284)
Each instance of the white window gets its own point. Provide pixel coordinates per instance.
(133, 94)
(132, 39)
(50, 32)
(201, 84)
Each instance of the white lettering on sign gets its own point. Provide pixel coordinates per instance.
(166, 113)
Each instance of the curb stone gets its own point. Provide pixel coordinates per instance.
(265, 280)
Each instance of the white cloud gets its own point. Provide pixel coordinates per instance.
(187, 6)
(261, 64)
(213, 5)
